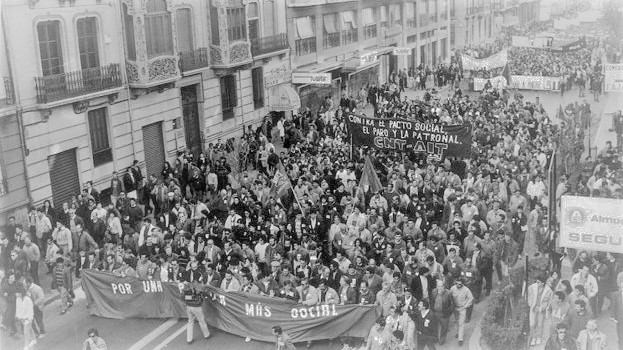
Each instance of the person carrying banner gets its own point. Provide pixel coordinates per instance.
(194, 300)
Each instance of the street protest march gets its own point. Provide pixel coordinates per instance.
(111, 296)
(401, 134)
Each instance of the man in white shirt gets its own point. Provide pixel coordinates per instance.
(232, 220)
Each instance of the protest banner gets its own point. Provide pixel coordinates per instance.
(402, 134)
(613, 77)
(530, 82)
(244, 314)
(591, 223)
(498, 82)
(574, 46)
(494, 61)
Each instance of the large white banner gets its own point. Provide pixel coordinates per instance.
(494, 61)
(591, 224)
(498, 82)
(613, 78)
(531, 82)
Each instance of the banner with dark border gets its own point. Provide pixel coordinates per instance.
(402, 134)
(246, 315)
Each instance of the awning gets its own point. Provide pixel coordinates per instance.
(367, 17)
(304, 28)
(329, 23)
(410, 10)
(283, 98)
(348, 20)
(354, 65)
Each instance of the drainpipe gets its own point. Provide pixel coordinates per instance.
(16, 95)
(121, 40)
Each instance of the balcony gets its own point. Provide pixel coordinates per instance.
(72, 84)
(195, 59)
(261, 46)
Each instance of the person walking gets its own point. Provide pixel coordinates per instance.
(560, 340)
(442, 305)
(283, 341)
(591, 338)
(36, 294)
(427, 326)
(194, 300)
(34, 255)
(94, 342)
(463, 299)
(539, 300)
(24, 315)
(63, 283)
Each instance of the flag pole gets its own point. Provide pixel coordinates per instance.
(291, 187)
(351, 146)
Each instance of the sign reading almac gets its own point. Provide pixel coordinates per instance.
(592, 224)
(311, 78)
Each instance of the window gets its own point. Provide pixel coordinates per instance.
(305, 35)
(257, 75)
(128, 23)
(383, 16)
(410, 14)
(253, 19)
(236, 27)
(158, 33)
(349, 27)
(395, 18)
(331, 35)
(214, 25)
(369, 23)
(87, 43)
(4, 189)
(228, 96)
(98, 128)
(184, 23)
(50, 47)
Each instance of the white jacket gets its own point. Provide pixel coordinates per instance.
(590, 286)
(24, 309)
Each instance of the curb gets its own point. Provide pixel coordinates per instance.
(50, 298)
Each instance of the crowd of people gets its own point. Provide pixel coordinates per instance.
(425, 247)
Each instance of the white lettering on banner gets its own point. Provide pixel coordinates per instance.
(311, 78)
(121, 288)
(257, 310)
(530, 82)
(494, 61)
(315, 311)
(613, 77)
(274, 78)
(496, 82)
(369, 57)
(591, 224)
(152, 286)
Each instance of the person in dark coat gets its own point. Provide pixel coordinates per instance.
(417, 284)
(442, 305)
(427, 326)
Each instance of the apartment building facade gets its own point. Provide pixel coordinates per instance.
(92, 85)
(361, 42)
(476, 22)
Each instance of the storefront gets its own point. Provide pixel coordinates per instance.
(318, 86)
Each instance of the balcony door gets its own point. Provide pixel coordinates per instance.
(190, 111)
(50, 50)
(89, 54)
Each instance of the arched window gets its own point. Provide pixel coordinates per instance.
(159, 38)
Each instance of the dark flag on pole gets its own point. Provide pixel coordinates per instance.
(506, 73)
(369, 177)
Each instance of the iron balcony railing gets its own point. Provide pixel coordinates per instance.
(195, 59)
(268, 44)
(9, 97)
(58, 87)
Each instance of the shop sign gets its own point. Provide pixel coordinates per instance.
(369, 57)
(273, 78)
(402, 51)
(311, 78)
